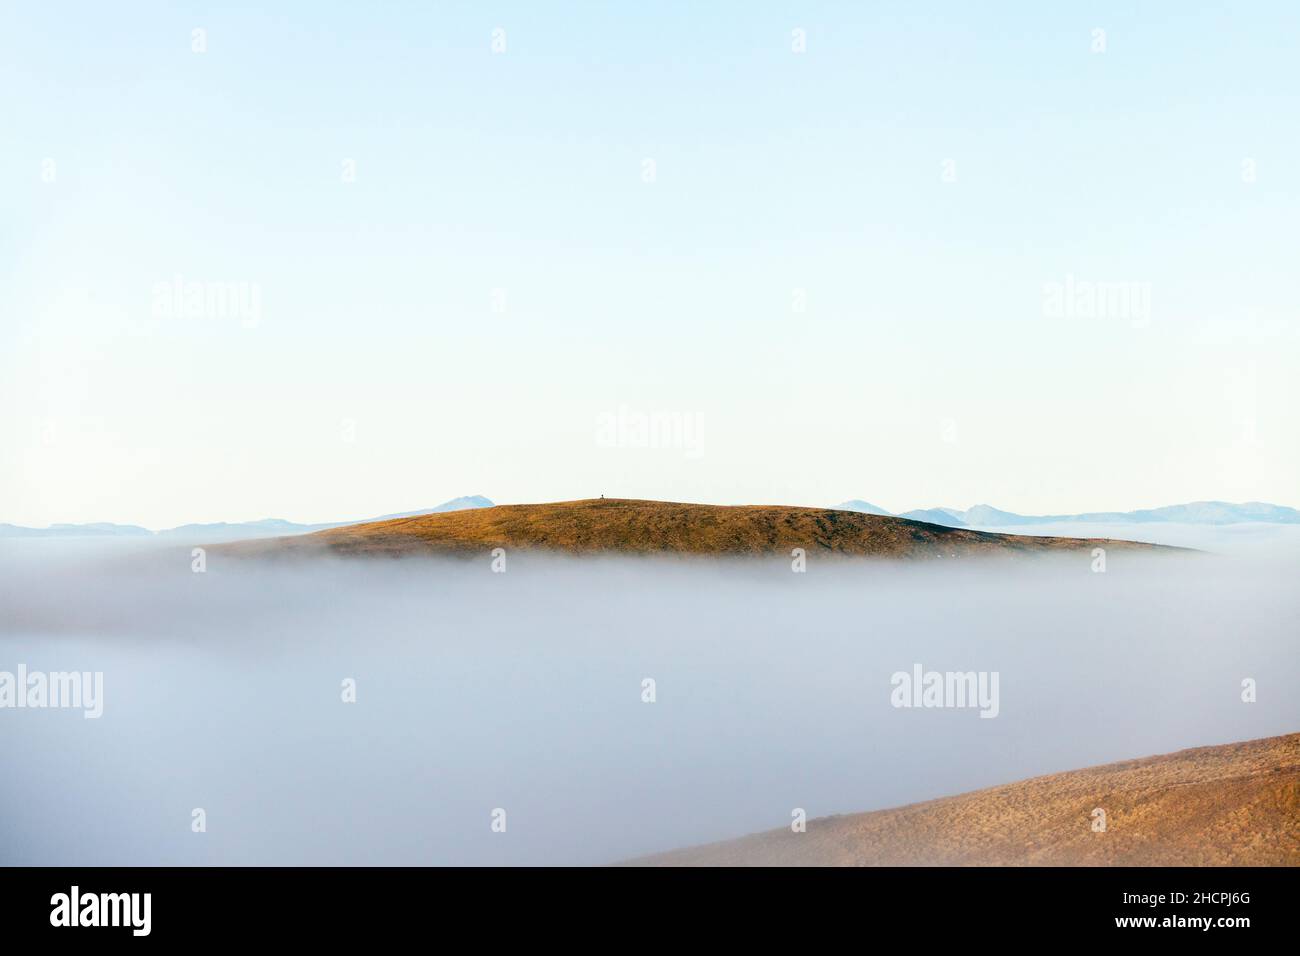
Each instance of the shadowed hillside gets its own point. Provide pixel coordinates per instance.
(1234, 805)
(624, 526)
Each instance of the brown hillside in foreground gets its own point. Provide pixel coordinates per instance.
(624, 526)
(1235, 805)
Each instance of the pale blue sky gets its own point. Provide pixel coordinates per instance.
(923, 370)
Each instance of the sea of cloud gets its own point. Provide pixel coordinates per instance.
(526, 692)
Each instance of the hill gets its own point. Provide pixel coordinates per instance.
(625, 526)
(1234, 805)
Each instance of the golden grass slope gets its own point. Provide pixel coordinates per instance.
(627, 526)
(1234, 805)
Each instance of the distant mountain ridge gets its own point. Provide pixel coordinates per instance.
(222, 530)
(944, 516)
(1195, 512)
(865, 507)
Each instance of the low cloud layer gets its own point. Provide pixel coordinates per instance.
(526, 691)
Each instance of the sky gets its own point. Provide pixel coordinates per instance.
(334, 259)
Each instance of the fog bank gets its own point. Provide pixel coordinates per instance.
(524, 691)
